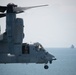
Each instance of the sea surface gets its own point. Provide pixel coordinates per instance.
(64, 65)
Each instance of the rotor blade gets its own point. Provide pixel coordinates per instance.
(2, 15)
(26, 8)
(3, 8)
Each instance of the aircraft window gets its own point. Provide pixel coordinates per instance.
(38, 46)
(25, 49)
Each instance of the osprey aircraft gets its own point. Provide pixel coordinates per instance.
(12, 50)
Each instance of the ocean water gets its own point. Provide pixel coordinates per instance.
(64, 65)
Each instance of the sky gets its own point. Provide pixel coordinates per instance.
(52, 26)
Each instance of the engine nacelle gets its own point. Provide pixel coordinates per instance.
(18, 36)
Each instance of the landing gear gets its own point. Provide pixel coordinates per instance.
(50, 62)
(46, 66)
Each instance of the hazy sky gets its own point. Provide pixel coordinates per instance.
(52, 26)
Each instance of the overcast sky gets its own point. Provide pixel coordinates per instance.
(52, 26)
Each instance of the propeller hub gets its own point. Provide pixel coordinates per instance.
(10, 7)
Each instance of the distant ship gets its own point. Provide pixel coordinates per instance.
(72, 46)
